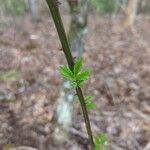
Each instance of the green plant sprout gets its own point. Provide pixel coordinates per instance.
(76, 75)
(100, 142)
(89, 103)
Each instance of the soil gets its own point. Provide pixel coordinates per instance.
(120, 84)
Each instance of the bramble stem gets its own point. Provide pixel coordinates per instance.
(52, 4)
(86, 117)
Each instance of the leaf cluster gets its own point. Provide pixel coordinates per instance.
(77, 76)
(100, 141)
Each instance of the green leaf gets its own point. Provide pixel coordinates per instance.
(89, 103)
(89, 98)
(77, 66)
(84, 75)
(79, 83)
(66, 73)
(100, 141)
(91, 106)
(97, 147)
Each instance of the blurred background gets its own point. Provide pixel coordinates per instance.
(38, 109)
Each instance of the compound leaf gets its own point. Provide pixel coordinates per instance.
(66, 73)
(77, 66)
(100, 141)
(84, 75)
(89, 98)
(89, 103)
(91, 106)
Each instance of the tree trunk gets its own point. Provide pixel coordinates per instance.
(142, 5)
(76, 38)
(34, 9)
(78, 26)
(130, 15)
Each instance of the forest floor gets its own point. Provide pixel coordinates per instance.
(29, 84)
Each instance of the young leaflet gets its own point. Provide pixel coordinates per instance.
(100, 142)
(77, 76)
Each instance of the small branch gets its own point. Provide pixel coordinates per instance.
(63, 38)
(61, 31)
